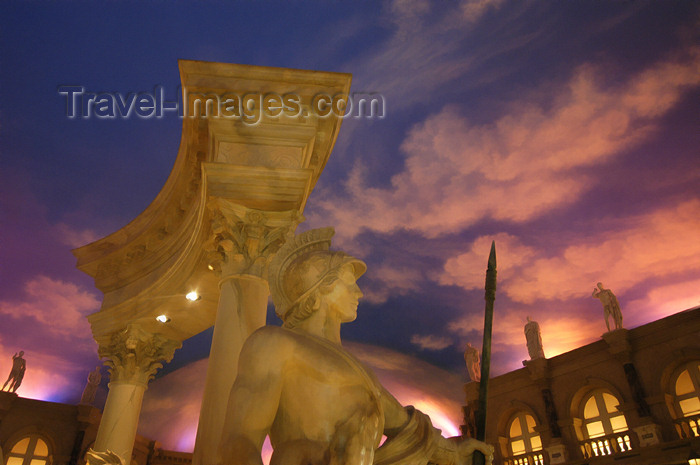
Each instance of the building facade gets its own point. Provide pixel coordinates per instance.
(35, 432)
(632, 397)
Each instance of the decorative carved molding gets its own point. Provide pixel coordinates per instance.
(244, 240)
(134, 355)
(138, 252)
(161, 252)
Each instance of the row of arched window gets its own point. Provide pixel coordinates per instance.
(31, 449)
(603, 425)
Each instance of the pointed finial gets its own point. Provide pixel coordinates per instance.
(491, 274)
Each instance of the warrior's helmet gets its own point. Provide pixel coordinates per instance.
(301, 268)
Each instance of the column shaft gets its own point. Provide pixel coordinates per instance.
(120, 420)
(242, 309)
(134, 355)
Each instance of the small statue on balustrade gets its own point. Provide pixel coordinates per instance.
(473, 362)
(533, 337)
(93, 382)
(19, 366)
(611, 307)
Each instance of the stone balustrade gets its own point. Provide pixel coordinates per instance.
(610, 444)
(688, 427)
(530, 458)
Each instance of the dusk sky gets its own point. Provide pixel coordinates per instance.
(568, 132)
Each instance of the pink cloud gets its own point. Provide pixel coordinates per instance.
(661, 301)
(653, 245)
(45, 298)
(47, 321)
(522, 165)
(49, 374)
(386, 280)
(73, 237)
(473, 10)
(468, 269)
(431, 342)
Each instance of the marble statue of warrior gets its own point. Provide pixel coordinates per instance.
(533, 337)
(471, 358)
(19, 366)
(320, 405)
(611, 307)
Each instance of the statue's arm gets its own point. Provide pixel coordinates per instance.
(395, 416)
(254, 400)
(453, 451)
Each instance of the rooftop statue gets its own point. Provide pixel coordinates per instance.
(611, 306)
(19, 366)
(320, 405)
(533, 338)
(471, 358)
(93, 382)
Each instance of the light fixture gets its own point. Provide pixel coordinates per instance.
(163, 318)
(211, 267)
(193, 296)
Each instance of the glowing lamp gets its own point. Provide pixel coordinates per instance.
(193, 296)
(162, 318)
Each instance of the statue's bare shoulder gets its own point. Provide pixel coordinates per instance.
(270, 335)
(268, 348)
(282, 350)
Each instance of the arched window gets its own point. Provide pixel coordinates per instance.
(604, 425)
(30, 450)
(687, 397)
(523, 441)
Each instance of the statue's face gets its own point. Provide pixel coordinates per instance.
(345, 295)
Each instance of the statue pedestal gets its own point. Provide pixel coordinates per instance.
(649, 434)
(618, 344)
(538, 367)
(557, 453)
(6, 401)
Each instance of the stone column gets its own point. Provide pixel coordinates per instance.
(134, 356)
(647, 430)
(621, 349)
(540, 375)
(242, 245)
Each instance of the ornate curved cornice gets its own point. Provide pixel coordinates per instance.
(145, 268)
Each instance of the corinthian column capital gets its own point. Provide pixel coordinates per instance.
(134, 355)
(243, 240)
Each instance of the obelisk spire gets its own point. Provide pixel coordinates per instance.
(489, 296)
